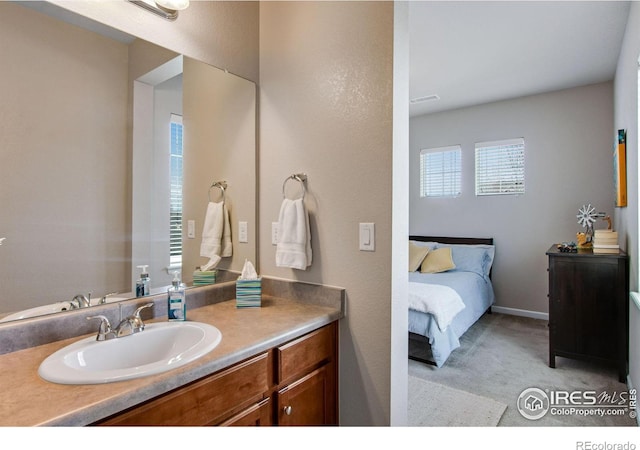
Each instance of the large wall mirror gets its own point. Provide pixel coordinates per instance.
(90, 125)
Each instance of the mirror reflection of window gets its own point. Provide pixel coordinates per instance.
(175, 205)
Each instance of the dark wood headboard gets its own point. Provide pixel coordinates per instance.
(452, 240)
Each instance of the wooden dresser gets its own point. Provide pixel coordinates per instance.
(589, 307)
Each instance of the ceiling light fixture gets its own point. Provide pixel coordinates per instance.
(167, 9)
(426, 98)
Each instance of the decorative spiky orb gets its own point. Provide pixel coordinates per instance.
(587, 216)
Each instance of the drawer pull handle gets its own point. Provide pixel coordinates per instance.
(288, 410)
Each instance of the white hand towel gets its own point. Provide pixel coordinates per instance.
(212, 230)
(227, 246)
(294, 239)
(216, 233)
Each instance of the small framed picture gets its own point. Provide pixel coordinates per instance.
(620, 168)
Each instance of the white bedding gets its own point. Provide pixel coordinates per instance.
(476, 293)
(442, 302)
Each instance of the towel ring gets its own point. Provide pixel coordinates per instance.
(299, 177)
(222, 185)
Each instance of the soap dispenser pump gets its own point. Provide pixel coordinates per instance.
(177, 302)
(142, 285)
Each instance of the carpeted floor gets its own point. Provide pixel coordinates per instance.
(503, 355)
(455, 407)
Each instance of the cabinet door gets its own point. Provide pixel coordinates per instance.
(307, 401)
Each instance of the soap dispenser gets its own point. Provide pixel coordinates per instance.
(177, 302)
(142, 285)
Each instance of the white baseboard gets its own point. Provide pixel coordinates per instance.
(520, 312)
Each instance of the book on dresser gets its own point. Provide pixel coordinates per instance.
(605, 241)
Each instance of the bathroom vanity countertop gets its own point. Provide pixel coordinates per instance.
(28, 400)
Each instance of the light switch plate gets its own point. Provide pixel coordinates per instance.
(368, 237)
(191, 229)
(243, 235)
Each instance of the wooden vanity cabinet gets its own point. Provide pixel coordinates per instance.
(307, 379)
(293, 384)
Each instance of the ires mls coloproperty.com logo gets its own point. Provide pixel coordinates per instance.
(535, 403)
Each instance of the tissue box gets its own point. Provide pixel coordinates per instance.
(201, 278)
(248, 293)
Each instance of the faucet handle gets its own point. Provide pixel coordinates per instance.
(138, 324)
(104, 332)
(81, 301)
(137, 311)
(104, 298)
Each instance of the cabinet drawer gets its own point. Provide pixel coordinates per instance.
(306, 353)
(256, 415)
(206, 401)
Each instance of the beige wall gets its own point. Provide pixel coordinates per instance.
(326, 79)
(220, 33)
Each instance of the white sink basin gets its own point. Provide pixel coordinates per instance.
(159, 348)
(58, 307)
(38, 311)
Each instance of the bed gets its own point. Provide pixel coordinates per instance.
(444, 305)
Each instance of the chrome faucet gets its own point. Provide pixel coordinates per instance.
(103, 300)
(128, 326)
(81, 301)
(104, 332)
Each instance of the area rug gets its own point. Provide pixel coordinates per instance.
(436, 405)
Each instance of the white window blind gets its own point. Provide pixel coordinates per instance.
(500, 167)
(440, 172)
(175, 205)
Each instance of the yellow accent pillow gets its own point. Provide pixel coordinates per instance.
(438, 260)
(416, 256)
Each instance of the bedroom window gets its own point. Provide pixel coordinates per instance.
(500, 167)
(440, 172)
